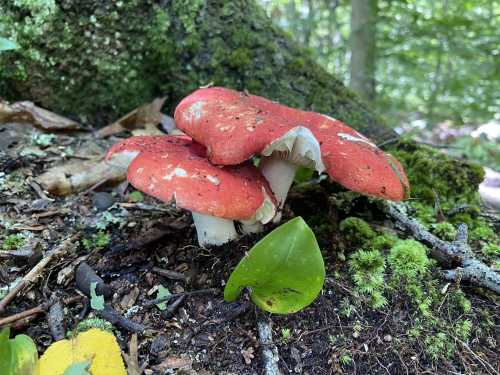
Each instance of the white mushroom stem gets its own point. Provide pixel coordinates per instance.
(213, 230)
(248, 227)
(281, 158)
(280, 174)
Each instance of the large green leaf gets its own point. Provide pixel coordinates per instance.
(18, 356)
(6, 44)
(284, 271)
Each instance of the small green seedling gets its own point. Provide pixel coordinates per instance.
(18, 356)
(162, 293)
(285, 334)
(13, 242)
(96, 301)
(284, 271)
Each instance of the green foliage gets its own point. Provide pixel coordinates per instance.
(434, 175)
(408, 260)
(162, 293)
(79, 368)
(367, 268)
(42, 139)
(136, 196)
(98, 323)
(357, 231)
(285, 334)
(284, 270)
(98, 241)
(434, 58)
(18, 356)
(444, 230)
(96, 302)
(13, 242)
(491, 249)
(7, 45)
(438, 346)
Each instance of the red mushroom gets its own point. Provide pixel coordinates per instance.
(235, 126)
(176, 169)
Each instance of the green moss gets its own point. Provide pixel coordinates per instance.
(356, 230)
(408, 260)
(491, 249)
(383, 242)
(13, 242)
(482, 232)
(367, 269)
(435, 177)
(89, 323)
(446, 231)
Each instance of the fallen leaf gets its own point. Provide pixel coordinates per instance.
(147, 116)
(173, 362)
(79, 175)
(95, 345)
(18, 355)
(30, 113)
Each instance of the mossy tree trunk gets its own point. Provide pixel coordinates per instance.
(99, 59)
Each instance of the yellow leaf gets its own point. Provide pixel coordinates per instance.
(96, 345)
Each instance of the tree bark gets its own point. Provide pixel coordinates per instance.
(363, 47)
(99, 59)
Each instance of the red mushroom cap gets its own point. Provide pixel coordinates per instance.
(181, 172)
(157, 143)
(235, 126)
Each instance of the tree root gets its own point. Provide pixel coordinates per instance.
(456, 253)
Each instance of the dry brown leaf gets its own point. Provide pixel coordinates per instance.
(173, 362)
(30, 113)
(79, 175)
(146, 116)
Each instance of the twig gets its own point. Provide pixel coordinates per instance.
(112, 316)
(36, 271)
(171, 296)
(269, 350)
(35, 310)
(456, 253)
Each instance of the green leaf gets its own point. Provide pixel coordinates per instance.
(25, 355)
(79, 368)
(162, 292)
(96, 302)
(18, 356)
(5, 351)
(136, 197)
(6, 44)
(284, 270)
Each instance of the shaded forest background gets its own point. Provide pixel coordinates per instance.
(432, 61)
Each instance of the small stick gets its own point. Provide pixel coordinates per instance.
(169, 297)
(35, 310)
(269, 350)
(453, 253)
(36, 271)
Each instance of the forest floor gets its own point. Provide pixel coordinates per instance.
(137, 245)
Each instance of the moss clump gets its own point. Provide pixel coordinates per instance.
(367, 269)
(13, 242)
(446, 231)
(89, 323)
(408, 260)
(357, 231)
(435, 176)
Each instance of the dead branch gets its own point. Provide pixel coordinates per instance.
(269, 350)
(36, 271)
(449, 254)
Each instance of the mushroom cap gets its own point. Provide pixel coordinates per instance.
(181, 172)
(156, 143)
(235, 126)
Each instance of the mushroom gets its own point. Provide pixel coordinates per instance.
(235, 126)
(176, 169)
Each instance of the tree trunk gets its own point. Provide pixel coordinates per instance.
(99, 59)
(363, 47)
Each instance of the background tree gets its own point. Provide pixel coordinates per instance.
(363, 47)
